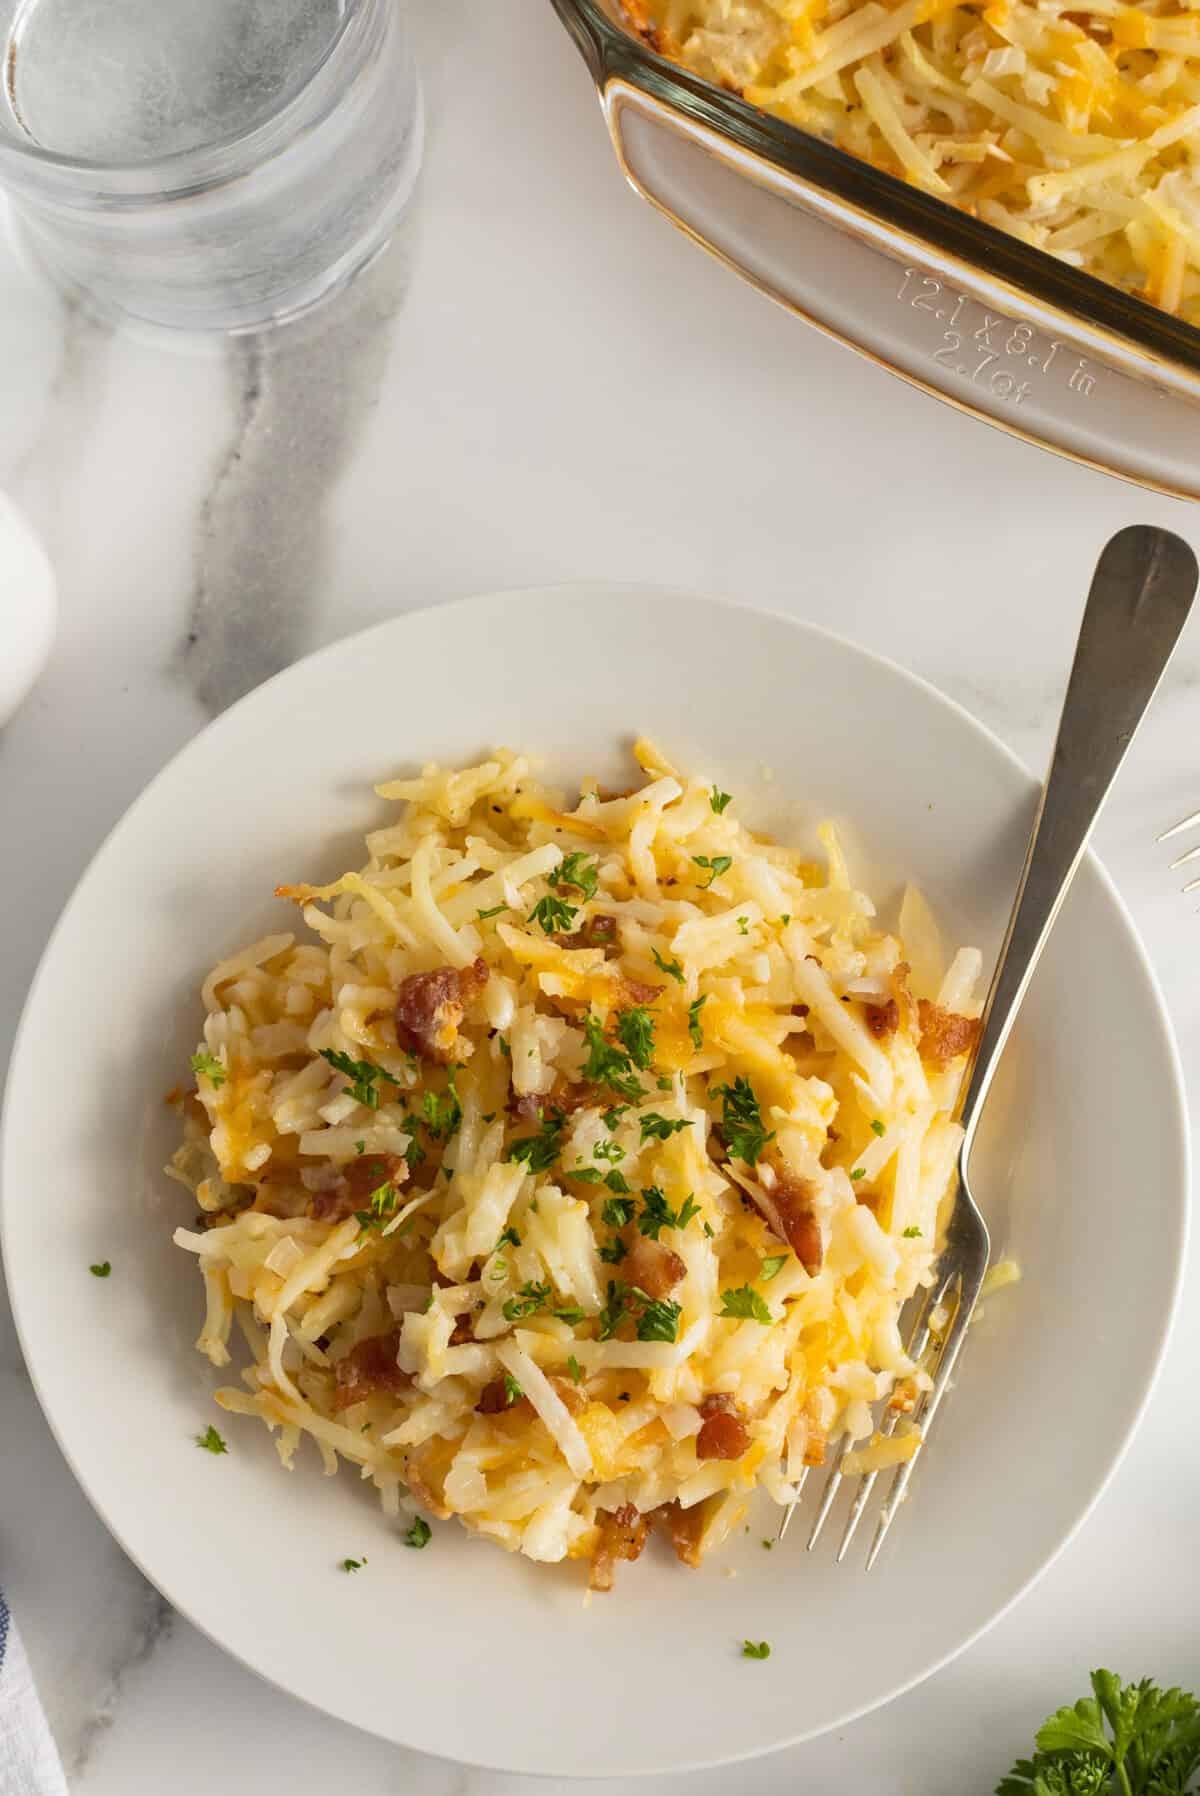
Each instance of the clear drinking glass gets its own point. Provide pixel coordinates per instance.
(207, 164)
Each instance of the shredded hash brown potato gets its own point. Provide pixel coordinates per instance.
(1074, 124)
(570, 1174)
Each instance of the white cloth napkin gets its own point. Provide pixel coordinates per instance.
(29, 1761)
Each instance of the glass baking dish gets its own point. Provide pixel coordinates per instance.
(950, 303)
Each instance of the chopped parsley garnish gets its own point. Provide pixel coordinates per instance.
(576, 870)
(694, 1029)
(635, 1032)
(661, 1128)
(718, 864)
(504, 1047)
(609, 1151)
(665, 1084)
(364, 1076)
(101, 1270)
(741, 1121)
(349, 1565)
(768, 1544)
(381, 1206)
(488, 1116)
(743, 924)
(612, 1117)
(860, 1172)
(771, 1265)
(608, 1065)
(211, 1068)
(420, 1534)
(531, 1299)
(554, 914)
(442, 1112)
(785, 919)
(671, 967)
(657, 1213)
(616, 1181)
(911, 1233)
(618, 1211)
(745, 1305)
(654, 1319)
(360, 1147)
(539, 1152)
(512, 1391)
(586, 1175)
(877, 1128)
(415, 1154)
(510, 1235)
(613, 1252)
(211, 1441)
(718, 799)
(483, 915)
(708, 1229)
(571, 1314)
(755, 1649)
(574, 1368)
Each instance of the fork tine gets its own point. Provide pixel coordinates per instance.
(785, 1521)
(1177, 829)
(924, 1417)
(1193, 854)
(865, 1486)
(832, 1486)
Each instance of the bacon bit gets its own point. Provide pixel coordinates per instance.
(793, 1199)
(685, 1527)
(723, 1434)
(630, 994)
(882, 1020)
(493, 1401)
(361, 1177)
(597, 932)
(653, 1267)
(369, 1367)
(463, 1330)
(174, 1096)
(944, 1034)
(430, 1006)
(623, 1535)
(905, 1002)
(569, 1098)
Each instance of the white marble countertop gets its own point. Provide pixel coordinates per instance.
(540, 382)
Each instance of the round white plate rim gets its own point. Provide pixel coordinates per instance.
(1175, 1099)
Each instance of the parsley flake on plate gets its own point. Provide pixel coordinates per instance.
(101, 1269)
(352, 1565)
(211, 1441)
(420, 1534)
(209, 1067)
(755, 1649)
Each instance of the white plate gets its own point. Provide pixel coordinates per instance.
(461, 1650)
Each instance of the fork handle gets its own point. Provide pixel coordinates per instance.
(1139, 601)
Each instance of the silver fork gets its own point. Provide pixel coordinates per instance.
(1140, 596)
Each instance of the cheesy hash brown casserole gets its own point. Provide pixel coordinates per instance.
(1073, 124)
(570, 1174)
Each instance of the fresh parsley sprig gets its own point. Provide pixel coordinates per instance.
(555, 915)
(207, 1066)
(1123, 1740)
(635, 1032)
(607, 1064)
(714, 865)
(577, 870)
(364, 1076)
(741, 1121)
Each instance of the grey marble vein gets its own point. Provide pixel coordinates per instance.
(151, 1623)
(303, 395)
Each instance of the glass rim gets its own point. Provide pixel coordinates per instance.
(179, 169)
